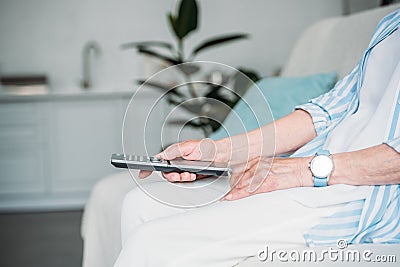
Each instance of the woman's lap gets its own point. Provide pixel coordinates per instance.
(220, 234)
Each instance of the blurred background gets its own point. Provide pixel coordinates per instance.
(66, 82)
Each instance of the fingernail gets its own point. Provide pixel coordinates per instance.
(228, 197)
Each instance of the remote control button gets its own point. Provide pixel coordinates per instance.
(154, 159)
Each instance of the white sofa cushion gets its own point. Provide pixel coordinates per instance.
(334, 44)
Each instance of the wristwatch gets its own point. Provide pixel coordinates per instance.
(321, 167)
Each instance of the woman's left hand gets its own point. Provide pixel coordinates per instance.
(265, 174)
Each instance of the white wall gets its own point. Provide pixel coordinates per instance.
(47, 36)
(352, 6)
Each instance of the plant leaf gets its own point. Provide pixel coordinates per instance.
(252, 74)
(190, 106)
(215, 93)
(189, 68)
(218, 40)
(186, 21)
(172, 23)
(147, 43)
(153, 53)
(181, 122)
(241, 80)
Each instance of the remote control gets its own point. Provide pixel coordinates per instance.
(176, 165)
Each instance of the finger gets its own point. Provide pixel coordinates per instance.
(170, 152)
(144, 174)
(237, 174)
(188, 177)
(159, 155)
(235, 179)
(194, 150)
(183, 149)
(235, 194)
(201, 176)
(244, 166)
(262, 171)
(246, 179)
(241, 172)
(172, 176)
(207, 150)
(240, 167)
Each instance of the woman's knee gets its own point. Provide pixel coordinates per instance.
(133, 199)
(151, 243)
(133, 202)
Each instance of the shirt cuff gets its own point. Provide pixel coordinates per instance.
(319, 115)
(394, 143)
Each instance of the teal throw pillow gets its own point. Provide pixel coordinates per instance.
(271, 99)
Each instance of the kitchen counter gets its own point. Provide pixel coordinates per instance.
(56, 146)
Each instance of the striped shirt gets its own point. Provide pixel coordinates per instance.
(375, 219)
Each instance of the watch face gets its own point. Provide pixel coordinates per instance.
(321, 166)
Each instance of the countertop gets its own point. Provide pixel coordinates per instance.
(75, 95)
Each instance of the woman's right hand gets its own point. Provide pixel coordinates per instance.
(204, 150)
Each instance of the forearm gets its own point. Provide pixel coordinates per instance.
(376, 165)
(283, 136)
(293, 132)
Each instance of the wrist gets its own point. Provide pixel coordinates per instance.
(338, 175)
(223, 149)
(306, 177)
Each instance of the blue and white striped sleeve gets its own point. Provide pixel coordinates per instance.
(332, 105)
(394, 143)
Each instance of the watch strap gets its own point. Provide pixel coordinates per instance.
(321, 182)
(324, 152)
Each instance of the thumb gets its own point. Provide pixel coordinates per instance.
(204, 149)
(176, 151)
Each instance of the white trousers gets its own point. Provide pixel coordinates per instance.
(221, 234)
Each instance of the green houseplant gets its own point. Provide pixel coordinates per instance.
(182, 24)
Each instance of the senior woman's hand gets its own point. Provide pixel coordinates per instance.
(266, 174)
(205, 150)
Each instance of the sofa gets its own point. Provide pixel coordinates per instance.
(333, 44)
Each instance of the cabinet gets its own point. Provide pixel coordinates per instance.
(55, 147)
(21, 142)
